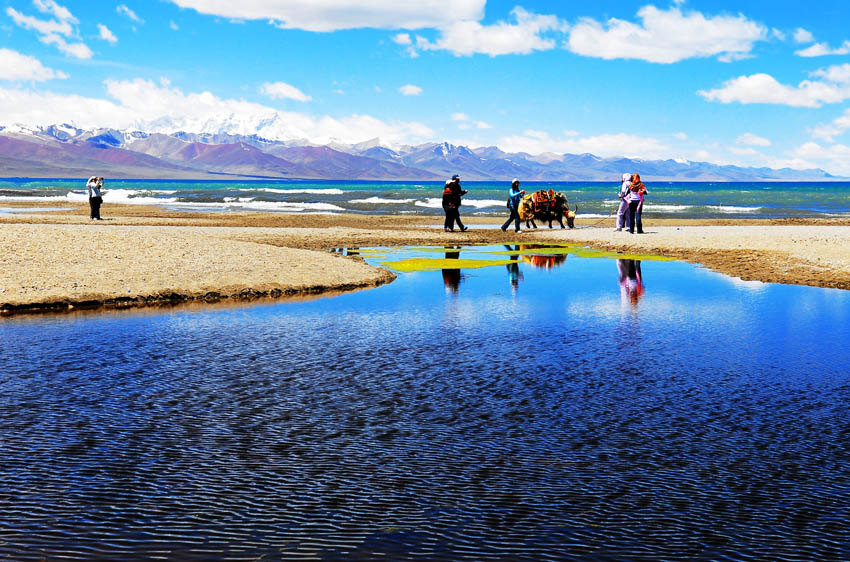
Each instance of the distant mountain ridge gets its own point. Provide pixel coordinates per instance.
(67, 151)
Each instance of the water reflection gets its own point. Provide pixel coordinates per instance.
(514, 274)
(542, 261)
(385, 425)
(452, 277)
(631, 281)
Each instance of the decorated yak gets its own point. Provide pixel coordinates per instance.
(546, 206)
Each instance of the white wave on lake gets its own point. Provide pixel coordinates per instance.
(310, 191)
(383, 201)
(114, 196)
(250, 204)
(437, 203)
(431, 203)
(484, 203)
(733, 209)
(654, 208)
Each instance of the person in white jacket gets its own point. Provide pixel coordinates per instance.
(624, 204)
(95, 187)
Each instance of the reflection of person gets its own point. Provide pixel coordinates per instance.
(451, 277)
(451, 204)
(624, 204)
(640, 189)
(514, 197)
(514, 274)
(631, 280)
(94, 187)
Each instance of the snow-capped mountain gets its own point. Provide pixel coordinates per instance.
(230, 145)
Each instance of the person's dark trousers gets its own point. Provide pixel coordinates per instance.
(637, 218)
(514, 217)
(94, 205)
(457, 220)
(451, 216)
(632, 212)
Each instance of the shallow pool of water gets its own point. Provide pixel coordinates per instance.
(549, 406)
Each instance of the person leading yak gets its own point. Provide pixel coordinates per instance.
(514, 197)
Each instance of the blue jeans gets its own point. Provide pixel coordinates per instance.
(514, 217)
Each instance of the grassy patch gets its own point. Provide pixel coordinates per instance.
(431, 264)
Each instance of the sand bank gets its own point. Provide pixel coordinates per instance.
(55, 267)
(147, 255)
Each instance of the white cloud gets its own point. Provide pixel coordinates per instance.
(837, 73)
(403, 39)
(173, 25)
(828, 131)
(667, 36)
(467, 123)
(835, 158)
(410, 90)
(15, 66)
(125, 11)
(161, 108)
(620, 144)
(467, 37)
(331, 15)
(282, 90)
(680, 136)
(822, 49)
(803, 36)
(832, 85)
(744, 151)
(106, 34)
(55, 31)
(749, 139)
(50, 7)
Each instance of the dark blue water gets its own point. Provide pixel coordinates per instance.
(594, 199)
(559, 408)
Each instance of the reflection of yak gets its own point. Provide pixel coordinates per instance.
(546, 206)
(542, 261)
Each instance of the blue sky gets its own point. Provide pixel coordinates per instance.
(745, 82)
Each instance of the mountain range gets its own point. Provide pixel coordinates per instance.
(66, 151)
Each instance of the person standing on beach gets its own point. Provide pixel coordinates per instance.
(640, 189)
(624, 205)
(451, 204)
(514, 197)
(94, 187)
(633, 198)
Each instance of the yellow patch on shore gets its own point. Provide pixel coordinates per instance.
(429, 264)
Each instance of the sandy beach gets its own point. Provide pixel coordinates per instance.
(55, 260)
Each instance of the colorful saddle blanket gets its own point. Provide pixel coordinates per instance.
(543, 200)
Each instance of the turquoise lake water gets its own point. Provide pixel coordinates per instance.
(548, 407)
(594, 199)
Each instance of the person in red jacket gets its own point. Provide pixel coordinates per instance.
(451, 204)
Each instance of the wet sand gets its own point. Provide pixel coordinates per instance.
(147, 255)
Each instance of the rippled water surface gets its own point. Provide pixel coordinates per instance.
(552, 407)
